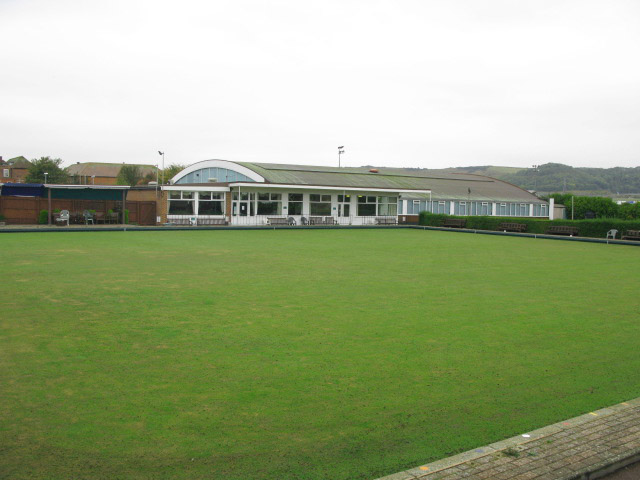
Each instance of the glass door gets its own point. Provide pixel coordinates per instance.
(243, 204)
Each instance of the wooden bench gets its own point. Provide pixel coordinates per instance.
(322, 221)
(631, 235)
(212, 221)
(180, 221)
(513, 227)
(386, 220)
(454, 222)
(278, 220)
(562, 230)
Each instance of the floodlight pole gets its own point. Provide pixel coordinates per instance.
(340, 152)
(572, 208)
(162, 154)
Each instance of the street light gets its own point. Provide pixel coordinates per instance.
(162, 154)
(535, 176)
(45, 177)
(340, 152)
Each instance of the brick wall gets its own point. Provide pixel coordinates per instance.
(163, 206)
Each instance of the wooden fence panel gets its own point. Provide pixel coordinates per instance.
(25, 210)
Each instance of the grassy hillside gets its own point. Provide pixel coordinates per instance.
(556, 177)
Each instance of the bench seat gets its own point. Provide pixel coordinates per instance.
(212, 221)
(562, 230)
(386, 220)
(631, 235)
(454, 222)
(513, 227)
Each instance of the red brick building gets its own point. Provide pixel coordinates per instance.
(14, 170)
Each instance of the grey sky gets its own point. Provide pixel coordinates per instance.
(399, 83)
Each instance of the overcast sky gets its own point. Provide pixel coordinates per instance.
(399, 83)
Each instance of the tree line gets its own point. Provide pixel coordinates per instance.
(129, 174)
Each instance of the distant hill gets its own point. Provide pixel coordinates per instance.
(556, 177)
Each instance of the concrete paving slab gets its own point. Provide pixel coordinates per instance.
(584, 447)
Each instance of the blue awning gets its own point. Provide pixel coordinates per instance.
(22, 190)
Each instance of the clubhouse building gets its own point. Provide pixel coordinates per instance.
(239, 193)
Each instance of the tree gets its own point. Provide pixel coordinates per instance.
(601, 207)
(48, 165)
(170, 172)
(129, 175)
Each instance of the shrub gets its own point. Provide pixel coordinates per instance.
(595, 228)
(43, 217)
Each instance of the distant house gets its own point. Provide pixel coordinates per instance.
(92, 173)
(14, 170)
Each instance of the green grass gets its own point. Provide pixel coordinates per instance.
(299, 354)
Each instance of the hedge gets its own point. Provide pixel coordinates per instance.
(595, 228)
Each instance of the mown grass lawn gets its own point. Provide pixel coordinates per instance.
(299, 354)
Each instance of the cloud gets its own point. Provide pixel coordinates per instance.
(407, 83)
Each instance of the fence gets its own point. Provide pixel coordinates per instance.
(26, 210)
(280, 220)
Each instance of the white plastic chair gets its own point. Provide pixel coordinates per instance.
(612, 233)
(63, 217)
(88, 217)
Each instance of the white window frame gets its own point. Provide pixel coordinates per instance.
(220, 200)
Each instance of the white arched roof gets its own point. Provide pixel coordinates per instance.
(218, 164)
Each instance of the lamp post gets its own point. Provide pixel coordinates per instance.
(535, 176)
(45, 177)
(340, 152)
(162, 154)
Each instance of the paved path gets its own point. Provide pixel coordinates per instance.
(632, 472)
(583, 447)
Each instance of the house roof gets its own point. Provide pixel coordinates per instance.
(104, 169)
(19, 162)
(442, 185)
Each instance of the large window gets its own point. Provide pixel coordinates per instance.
(214, 175)
(295, 204)
(269, 204)
(210, 203)
(540, 210)
(460, 208)
(320, 204)
(181, 203)
(439, 207)
(387, 206)
(5, 173)
(366, 206)
(344, 205)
